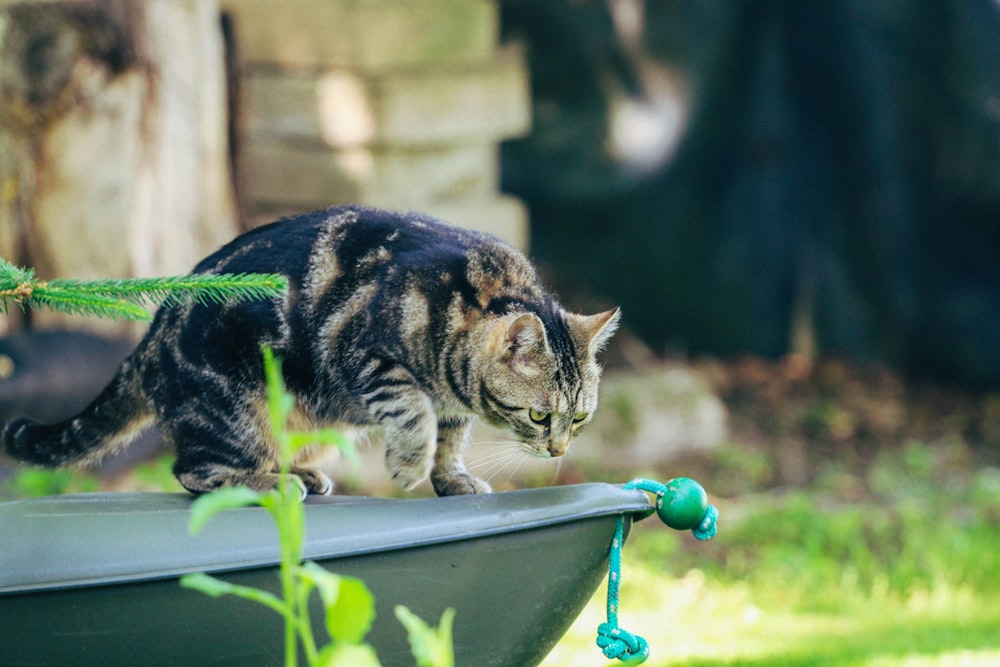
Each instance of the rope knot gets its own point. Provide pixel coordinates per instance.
(621, 644)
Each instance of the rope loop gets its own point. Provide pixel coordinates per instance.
(706, 529)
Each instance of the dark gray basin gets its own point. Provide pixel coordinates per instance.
(91, 579)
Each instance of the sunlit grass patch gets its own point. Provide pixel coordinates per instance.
(696, 622)
(960, 658)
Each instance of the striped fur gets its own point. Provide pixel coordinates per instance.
(394, 322)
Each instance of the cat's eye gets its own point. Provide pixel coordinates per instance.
(580, 417)
(538, 416)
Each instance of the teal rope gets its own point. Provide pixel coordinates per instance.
(687, 508)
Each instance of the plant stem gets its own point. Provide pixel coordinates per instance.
(288, 510)
(305, 622)
(21, 291)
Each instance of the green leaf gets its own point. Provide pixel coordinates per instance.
(431, 647)
(350, 616)
(326, 582)
(212, 587)
(347, 655)
(206, 506)
(203, 583)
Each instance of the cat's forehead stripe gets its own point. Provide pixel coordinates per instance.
(564, 350)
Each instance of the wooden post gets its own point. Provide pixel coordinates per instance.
(114, 156)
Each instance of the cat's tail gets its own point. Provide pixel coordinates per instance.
(112, 421)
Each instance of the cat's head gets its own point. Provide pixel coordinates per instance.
(541, 377)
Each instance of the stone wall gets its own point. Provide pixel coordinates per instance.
(396, 104)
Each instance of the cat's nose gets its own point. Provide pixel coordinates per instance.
(558, 448)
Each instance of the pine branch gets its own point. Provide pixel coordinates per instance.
(174, 290)
(125, 298)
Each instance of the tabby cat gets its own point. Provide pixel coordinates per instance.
(392, 321)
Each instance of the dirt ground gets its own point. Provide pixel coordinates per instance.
(797, 423)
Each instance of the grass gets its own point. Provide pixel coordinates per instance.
(696, 621)
(907, 576)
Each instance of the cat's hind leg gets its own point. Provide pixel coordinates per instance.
(219, 448)
(208, 476)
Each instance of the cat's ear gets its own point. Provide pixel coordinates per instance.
(592, 332)
(523, 341)
(524, 334)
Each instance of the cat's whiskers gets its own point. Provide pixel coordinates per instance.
(498, 466)
(555, 475)
(496, 443)
(500, 453)
(490, 467)
(512, 465)
(504, 456)
(500, 450)
(508, 457)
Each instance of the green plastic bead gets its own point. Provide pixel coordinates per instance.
(684, 504)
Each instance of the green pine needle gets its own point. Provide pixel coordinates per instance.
(97, 305)
(13, 275)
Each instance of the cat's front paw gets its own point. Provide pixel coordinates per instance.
(459, 484)
(407, 471)
(409, 476)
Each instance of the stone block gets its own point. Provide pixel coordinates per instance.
(279, 174)
(367, 34)
(485, 102)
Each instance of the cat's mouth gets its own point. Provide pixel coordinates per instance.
(542, 451)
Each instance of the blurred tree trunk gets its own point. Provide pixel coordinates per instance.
(114, 157)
